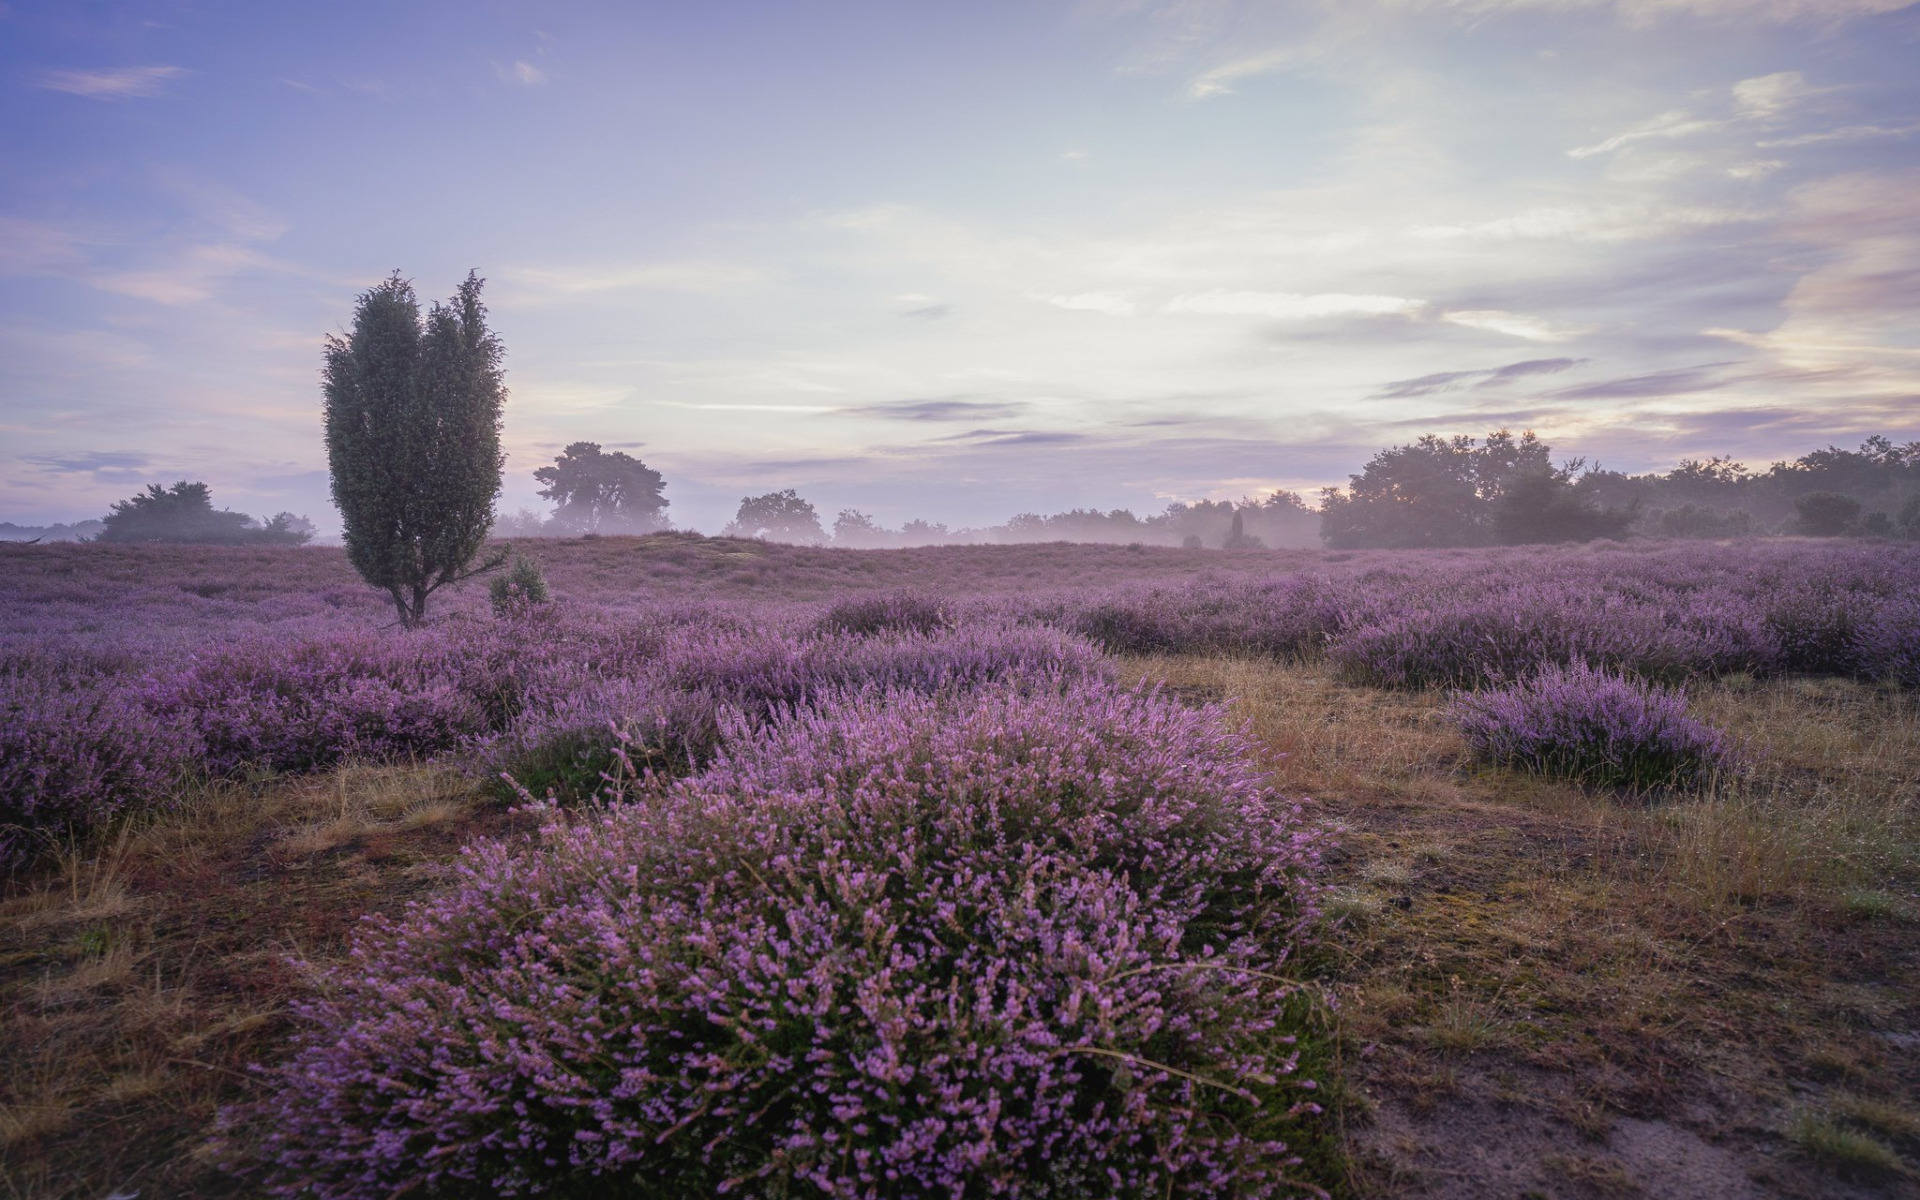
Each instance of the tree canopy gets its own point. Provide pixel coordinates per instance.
(1453, 492)
(777, 516)
(413, 439)
(185, 513)
(594, 491)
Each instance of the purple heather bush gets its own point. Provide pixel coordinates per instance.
(669, 713)
(1595, 726)
(1026, 942)
(1887, 644)
(72, 757)
(887, 612)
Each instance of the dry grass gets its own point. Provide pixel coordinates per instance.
(1522, 962)
(141, 974)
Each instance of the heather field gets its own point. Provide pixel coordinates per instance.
(1043, 870)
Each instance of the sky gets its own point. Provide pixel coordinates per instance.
(958, 261)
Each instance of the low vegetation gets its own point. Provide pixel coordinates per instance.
(1515, 958)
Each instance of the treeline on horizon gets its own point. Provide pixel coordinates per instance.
(1433, 492)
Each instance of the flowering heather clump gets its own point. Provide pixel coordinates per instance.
(669, 712)
(71, 756)
(1288, 617)
(1022, 942)
(1887, 646)
(296, 706)
(1593, 726)
(888, 612)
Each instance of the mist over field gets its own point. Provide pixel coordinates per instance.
(1058, 601)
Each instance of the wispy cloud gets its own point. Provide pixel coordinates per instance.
(90, 461)
(946, 409)
(1533, 329)
(1112, 304)
(1845, 133)
(560, 282)
(1293, 306)
(1617, 223)
(1446, 381)
(1680, 382)
(115, 83)
(520, 72)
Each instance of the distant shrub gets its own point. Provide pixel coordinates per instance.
(1599, 728)
(1192, 542)
(1027, 943)
(887, 612)
(520, 592)
(1700, 521)
(1826, 514)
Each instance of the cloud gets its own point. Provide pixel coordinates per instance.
(1648, 12)
(1767, 96)
(947, 409)
(1447, 381)
(1016, 437)
(928, 312)
(521, 72)
(1846, 133)
(1113, 304)
(1667, 125)
(88, 461)
(1219, 80)
(1493, 320)
(1615, 224)
(1680, 382)
(123, 83)
(538, 284)
(1293, 306)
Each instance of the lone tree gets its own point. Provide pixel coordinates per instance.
(413, 440)
(779, 517)
(597, 492)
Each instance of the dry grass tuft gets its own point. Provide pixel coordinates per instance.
(142, 972)
(1703, 962)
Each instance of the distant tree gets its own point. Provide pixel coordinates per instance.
(1192, 542)
(181, 513)
(413, 440)
(1423, 494)
(523, 522)
(1448, 492)
(598, 492)
(857, 529)
(1541, 505)
(779, 517)
(923, 533)
(1699, 521)
(185, 513)
(1826, 514)
(1238, 538)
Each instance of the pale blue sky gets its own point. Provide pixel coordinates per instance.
(956, 261)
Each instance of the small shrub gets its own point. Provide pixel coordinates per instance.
(1593, 726)
(1020, 943)
(888, 612)
(520, 591)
